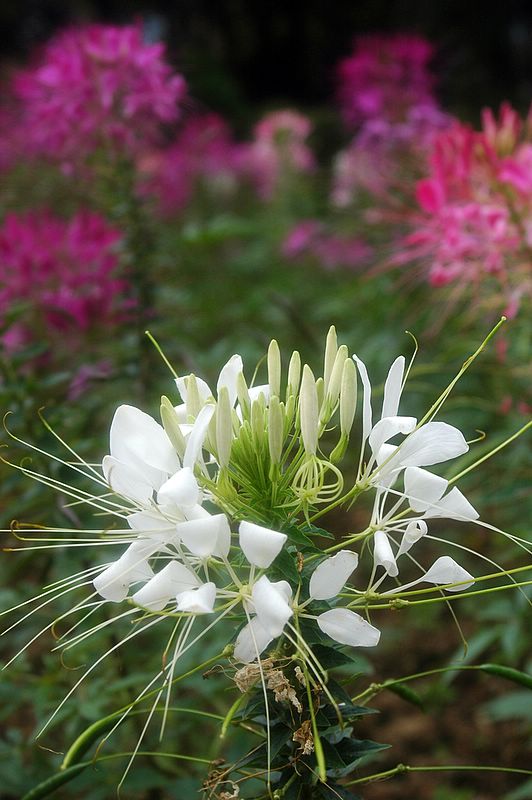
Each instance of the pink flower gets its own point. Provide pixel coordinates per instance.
(332, 251)
(203, 153)
(99, 86)
(475, 216)
(279, 149)
(63, 271)
(384, 78)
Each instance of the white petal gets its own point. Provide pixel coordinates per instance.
(138, 439)
(392, 388)
(414, 531)
(181, 489)
(197, 601)
(383, 554)
(270, 606)
(228, 377)
(113, 583)
(453, 506)
(422, 488)
(202, 536)
(386, 428)
(446, 570)
(252, 640)
(255, 392)
(153, 525)
(260, 545)
(126, 481)
(431, 444)
(366, 403)
(330, 576)
(203, 390)
(197, 435)
(174, 578)
(346, 627)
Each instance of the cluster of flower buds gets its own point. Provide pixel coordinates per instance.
(266, 459)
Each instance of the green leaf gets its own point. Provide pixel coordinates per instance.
(330, 657)
(333, 791)
(297, 536)
(315, 531)
(343, 757)
(285, 567)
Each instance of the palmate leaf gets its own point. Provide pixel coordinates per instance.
(341, 758)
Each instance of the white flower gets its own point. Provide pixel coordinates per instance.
(272, 605)
(432, 443)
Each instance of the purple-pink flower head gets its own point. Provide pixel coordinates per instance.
(384, 78)
(64, 271)
(278, 148)
(475, 207)
(310, 238)
(203, 153)
(99, 86)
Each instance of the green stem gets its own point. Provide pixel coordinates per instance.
(491, 452)
(403, 603)
(403, 768)
(90, 734)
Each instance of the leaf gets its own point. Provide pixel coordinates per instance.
(516, 705)
(343, 757)
(333, 791)
(297, 536)
(315, 531)
(330, 657)
(511, 674)
(285, 567)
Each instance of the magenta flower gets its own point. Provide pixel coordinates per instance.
(385, 78)
(64, 271)
(475, 217)
(385, 91)
(203, 154)
(278, 150)
(99, 86)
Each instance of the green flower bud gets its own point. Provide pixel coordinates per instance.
(308, 411)
(172, 427)
(274, 369)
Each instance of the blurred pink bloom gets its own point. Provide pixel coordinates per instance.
(386, 92)
(278, 149)
(384, 78)
(332, 251)
(99, 86)
(203, 153)
(475, 204)
(64, 271)
(86, 375)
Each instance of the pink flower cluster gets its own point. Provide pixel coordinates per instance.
(64, 272)
(310, 238)
(278, 149)
(96, 86)
(476, 205)
(385, 92)
(385, 78)
(204, 153)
